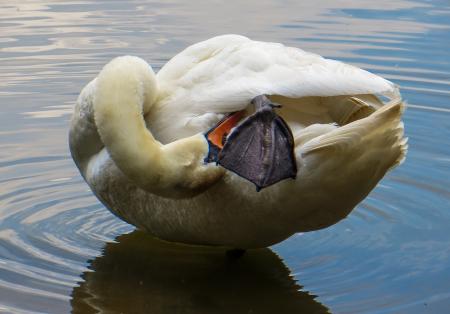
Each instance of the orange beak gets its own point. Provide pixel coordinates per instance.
(218, 134)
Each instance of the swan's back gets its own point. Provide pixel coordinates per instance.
(224, 73)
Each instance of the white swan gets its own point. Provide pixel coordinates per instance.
(138, 140)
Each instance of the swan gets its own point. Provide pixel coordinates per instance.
(138, 139)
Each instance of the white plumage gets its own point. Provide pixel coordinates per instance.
(137, 139)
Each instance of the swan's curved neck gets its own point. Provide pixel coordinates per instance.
(126, 90)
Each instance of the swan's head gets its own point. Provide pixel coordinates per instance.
(126, 91)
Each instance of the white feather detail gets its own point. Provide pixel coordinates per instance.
(224, 73)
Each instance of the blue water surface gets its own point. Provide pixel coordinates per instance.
(61, 251)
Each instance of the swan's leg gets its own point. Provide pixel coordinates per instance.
(261, 148)
(235, 253)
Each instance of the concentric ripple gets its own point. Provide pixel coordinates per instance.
(50, 226)
(58, 247)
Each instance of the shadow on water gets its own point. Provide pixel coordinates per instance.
(140, 274)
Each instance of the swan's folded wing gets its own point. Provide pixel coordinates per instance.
(377, 139)
(224, 73)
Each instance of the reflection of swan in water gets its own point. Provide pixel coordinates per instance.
(144, 275)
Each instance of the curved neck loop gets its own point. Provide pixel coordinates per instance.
(126, 89)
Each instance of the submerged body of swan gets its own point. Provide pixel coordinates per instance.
(138, 140)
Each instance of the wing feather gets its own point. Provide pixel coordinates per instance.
(226, 72)
(376, 137)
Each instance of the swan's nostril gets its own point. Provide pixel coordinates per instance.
(224, 137)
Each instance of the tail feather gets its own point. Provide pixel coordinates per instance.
(381, 134)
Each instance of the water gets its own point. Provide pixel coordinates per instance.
(58, 247)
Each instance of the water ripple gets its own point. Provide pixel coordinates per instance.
(389, 256)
